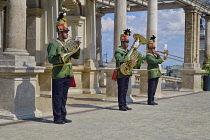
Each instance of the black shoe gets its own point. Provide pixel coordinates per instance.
(128, 108)
(155, 103)
(122, 108)
(59, 122)
(67, 121)
(151, 103)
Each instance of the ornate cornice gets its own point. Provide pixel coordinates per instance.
(3, 4)
(207, 17)
(94, 1)
(99, 15)
(193, 9)
(34, 12)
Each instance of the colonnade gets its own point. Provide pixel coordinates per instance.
(24, 70)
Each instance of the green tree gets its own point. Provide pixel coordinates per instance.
(141, 60)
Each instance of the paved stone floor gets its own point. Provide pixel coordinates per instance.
(184, 117)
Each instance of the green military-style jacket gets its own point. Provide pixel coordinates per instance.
(121, 57)
(60, 70)
(153, 67)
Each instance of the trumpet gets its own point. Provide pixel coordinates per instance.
(165, 52)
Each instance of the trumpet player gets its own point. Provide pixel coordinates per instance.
(62, 72)
(153, 59)
(123, 80)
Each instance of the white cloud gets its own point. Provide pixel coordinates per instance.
(130, 18)
(171, 20)
(171, 29)
(107, 24)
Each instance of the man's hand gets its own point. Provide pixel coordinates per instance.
(165, 57)
(134, 61)
(78, 43)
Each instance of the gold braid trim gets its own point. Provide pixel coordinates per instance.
(61, 64)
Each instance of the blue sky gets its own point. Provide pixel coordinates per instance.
(170, 31)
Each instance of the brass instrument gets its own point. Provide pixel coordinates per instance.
(71, 47)
(127, 67)
(165, 51)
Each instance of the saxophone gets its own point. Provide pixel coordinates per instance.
(127, 67)
(71, 47)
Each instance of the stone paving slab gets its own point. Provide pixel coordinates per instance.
(175, 118)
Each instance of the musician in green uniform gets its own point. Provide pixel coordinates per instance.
(123, 80)
(62, 72)
(153, 59)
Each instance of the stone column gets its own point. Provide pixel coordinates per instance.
(119, 21)
(207, 37)
(2, 5)
(99, 57)
(152, 21)
(91, 30)
(91, 69)
(16, 28)
(119, 25)
(191, 72)
(18, 70)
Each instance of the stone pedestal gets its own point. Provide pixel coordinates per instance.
(78, 71)
(144, 82)
(101, 78)
(191, 80)
(45, 82)
(90, 77)
(18, 87)
(111, 86)
(129, 98)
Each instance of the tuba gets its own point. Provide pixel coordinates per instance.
(127, 67)
(70, 47)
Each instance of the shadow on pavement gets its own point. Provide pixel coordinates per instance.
(86, 99)
(139, 103)
(91, 106)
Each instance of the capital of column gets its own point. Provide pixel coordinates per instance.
(93, 1)
(207, 17)
(99, 15)
(192, 9)
(34, 12)
(2, 5)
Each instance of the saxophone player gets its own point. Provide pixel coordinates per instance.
(123, 80)
(62, 72)
(153, 59)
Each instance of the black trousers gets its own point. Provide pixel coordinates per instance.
(122, 90)
(59, 96)
(152, 86)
